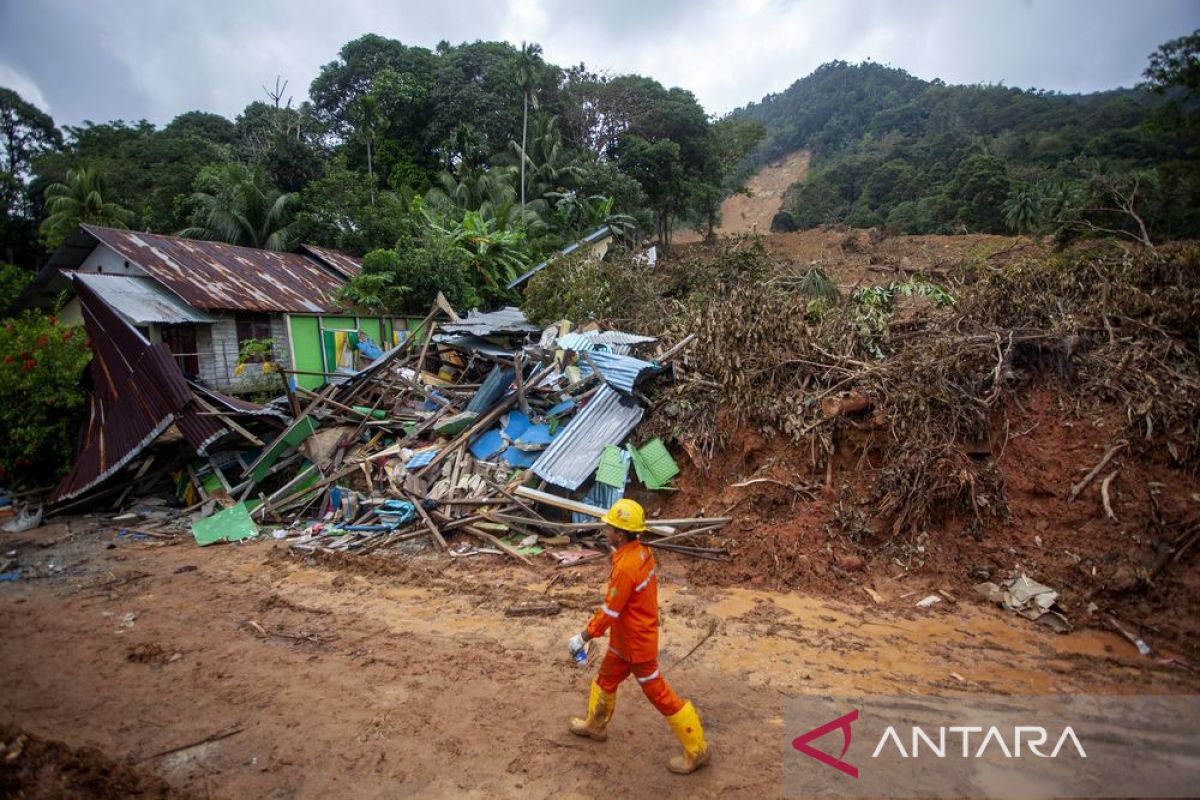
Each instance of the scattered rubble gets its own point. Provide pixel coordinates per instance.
(486, 429)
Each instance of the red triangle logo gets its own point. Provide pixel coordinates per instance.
(843, 722)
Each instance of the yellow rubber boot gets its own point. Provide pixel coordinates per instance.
(600, 710)
(689, 731)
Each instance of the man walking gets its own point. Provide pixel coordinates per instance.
(630, 608)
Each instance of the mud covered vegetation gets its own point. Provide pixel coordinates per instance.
(921, 365)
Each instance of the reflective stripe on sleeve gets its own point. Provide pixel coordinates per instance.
(610, 612)
(644, 583)
(649, 677)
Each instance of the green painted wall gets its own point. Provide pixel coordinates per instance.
(308, 342)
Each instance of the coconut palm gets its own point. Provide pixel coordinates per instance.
(237, 206)
(529, 64)
(1022, 209)
(552, 165)
(79, 199)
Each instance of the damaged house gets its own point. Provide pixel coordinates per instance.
(206, 300)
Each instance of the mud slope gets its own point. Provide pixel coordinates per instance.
(742, 214)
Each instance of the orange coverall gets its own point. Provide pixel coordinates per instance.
(630, 608)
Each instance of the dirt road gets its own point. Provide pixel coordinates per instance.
(363, 678)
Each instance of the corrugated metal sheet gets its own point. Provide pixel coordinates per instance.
(575, 341)
(474, 344)
(137, 392)
(591, 238)
(491, 390)
(345, 264)
(221, 277)
(509, 319)
(141, 300)
(620, 372)
(617, 338)
(575, 452)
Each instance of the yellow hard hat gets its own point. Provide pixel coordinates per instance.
(628, 515)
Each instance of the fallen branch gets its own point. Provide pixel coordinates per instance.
(712, 628)
(1094, 471)
(215, 737)
(1108, 509)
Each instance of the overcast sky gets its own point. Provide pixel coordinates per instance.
(133, 59)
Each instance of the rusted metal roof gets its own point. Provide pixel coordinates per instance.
(137, 391)
(344, 264)
(214, 276)
(141, 300)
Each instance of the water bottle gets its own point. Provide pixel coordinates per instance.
(581, 657)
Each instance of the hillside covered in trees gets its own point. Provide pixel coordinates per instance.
(449, 168)
(456, 167)
(917, 156)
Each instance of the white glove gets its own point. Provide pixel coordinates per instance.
(577, 644)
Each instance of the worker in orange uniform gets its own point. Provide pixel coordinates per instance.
(630, 608)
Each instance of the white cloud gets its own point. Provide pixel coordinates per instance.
(23, 85)
(130, 59)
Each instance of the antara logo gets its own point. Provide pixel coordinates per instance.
(1034, 737)
(843, 722)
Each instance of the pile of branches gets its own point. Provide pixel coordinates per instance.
(925, 369)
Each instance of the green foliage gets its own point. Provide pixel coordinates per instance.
(13, 281)
(41, 399)
(407, 279)
(149, 172)
(494, 254)
(81, 199)
(923, 157)
(873, 306)
(580, 288)
(1022, 209)
(236, 205)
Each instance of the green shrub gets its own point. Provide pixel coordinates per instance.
(41, 399)
(580, 288)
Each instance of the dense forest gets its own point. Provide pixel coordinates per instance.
(449, 168)
(892, 150)
(455, 168)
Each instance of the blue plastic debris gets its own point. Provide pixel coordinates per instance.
(396, 512)
(488, 445)
(14, 575)
(562, 408)
(519, 458)
(422, 458)
(429, 405)
(515, 425)
(491, 390)
(536, 437)
(601, 496)
(368, 349)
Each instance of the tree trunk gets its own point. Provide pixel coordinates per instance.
(370, 173)
(524, 133)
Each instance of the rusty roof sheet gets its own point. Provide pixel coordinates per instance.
(222, 277)
(344, 264)
(141, 300)
(137, 392)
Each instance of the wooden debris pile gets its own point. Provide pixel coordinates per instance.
(483, 435)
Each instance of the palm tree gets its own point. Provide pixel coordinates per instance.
(551, 164)
(371, 122)
(528, 66)
(80, 199)
(239, 207)
(1022, 209)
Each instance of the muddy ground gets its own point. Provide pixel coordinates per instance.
(368, 677)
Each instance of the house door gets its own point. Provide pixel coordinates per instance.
(181, 339)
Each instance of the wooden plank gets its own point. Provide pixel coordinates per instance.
(567, 504)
